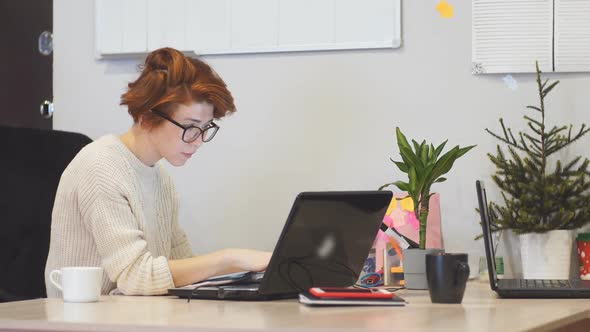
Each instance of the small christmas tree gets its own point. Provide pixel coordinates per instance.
(537, 200)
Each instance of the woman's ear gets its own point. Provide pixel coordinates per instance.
(143, 124)
(140, 121)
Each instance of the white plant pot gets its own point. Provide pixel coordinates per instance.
(546, 255)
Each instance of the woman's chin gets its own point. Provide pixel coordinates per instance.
(177, 162)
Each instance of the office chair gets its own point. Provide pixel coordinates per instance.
(31, 164)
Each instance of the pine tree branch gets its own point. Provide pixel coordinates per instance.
(534, 108)
(504, 140)
(533, 121)
(512, 136)
(523, 143)
(572, 164)
(564, 142)
(537, 131)
(536, 144)
(549, 88)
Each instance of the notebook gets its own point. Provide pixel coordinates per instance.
(325, 242)
(523, 288)
(309, 299)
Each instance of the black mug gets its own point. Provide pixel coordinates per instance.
(447, 275)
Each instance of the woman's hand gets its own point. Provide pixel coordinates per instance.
(249, 260)
(190, 270)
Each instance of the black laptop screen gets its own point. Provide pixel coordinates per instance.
(325, 240)
(487, 231)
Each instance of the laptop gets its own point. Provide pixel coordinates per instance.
(324, 243)
(523, 288)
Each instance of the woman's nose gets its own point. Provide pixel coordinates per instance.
(198, 142)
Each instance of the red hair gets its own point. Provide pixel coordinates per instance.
(170, 78)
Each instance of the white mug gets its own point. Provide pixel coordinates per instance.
(78, 284)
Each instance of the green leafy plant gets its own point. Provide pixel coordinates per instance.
(537, 200)
(424, 168)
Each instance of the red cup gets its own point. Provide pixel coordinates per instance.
(583, 240)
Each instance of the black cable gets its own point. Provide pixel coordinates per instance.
(394, 289)
(244, 278)
(308, 264)
(389, 289)
(190, 296)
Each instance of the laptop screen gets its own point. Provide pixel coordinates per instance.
(487, 231)
(325, 241)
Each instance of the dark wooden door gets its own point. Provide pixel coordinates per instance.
(26, 60)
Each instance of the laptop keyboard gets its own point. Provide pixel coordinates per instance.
(540, 283)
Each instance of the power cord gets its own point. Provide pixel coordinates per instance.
(389, 289)
(308, 263)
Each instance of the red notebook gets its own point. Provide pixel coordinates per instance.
(336, 296)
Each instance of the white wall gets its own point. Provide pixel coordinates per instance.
(318, 121)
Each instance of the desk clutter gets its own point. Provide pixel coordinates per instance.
(443, 274)
(400, 233)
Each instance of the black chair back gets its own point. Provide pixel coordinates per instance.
(31, 164)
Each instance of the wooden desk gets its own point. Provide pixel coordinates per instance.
(481, 310)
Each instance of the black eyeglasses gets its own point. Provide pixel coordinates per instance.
(192, 133)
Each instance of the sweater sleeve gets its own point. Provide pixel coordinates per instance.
(119, 240)
(181, 247)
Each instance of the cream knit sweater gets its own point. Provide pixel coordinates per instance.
(113, 211)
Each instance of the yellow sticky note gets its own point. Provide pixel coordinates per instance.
(445, 9)
(407, 204)
(392, 206)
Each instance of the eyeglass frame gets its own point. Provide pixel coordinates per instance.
(185, 128)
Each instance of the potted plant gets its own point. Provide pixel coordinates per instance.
(424, 165)
(543, 206)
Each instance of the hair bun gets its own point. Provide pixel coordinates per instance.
(161, 58)
(173, 63)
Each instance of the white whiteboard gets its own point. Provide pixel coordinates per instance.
(245, 26)
(508, 36)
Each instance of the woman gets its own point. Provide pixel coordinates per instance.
(117, 208)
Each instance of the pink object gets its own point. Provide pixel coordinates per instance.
(381, 237)
(403, 219)
(411, 220)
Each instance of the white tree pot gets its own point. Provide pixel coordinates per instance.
(546, 255)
